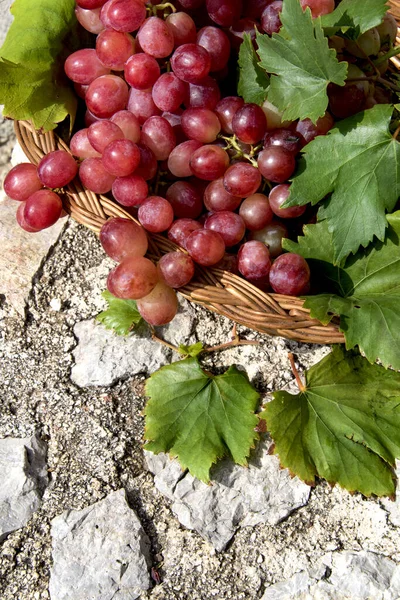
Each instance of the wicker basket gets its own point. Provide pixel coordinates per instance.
(220, 291)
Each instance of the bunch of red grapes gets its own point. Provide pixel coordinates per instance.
(210, 172)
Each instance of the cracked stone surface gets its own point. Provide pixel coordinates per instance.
(237, 497)
(99, 553)
(23, 473)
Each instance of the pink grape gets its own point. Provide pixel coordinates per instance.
(158, 135)
(229, 225)
(123, 15)
(286, 138)
(169, 92)
(278, 196)
(21, 219)
(133, 278)
(318, 7)
(107, 95)
(160, 306)
(182, 27)
(90, 4)
(179, 159)
(102, 133)
(80, 145)
(148, 163)
(57, 168)
(271, 17)
(205, 247)
(276, 164)
(156, 38)
(256, 212)
(216, 198)
(22, 181)
(204, 94)
(121, 157)
(131, 190)
(181, 229)
(308, 131)
(185, 200)
(94, 176)
(254, 261)
(226, 110)
(224, 12)
(271, 235)
(141, 104)
(113, 48)
(249, 123)
(191, 63)
(141, 71)
(345, 101)
(216, 42)
(42, 209)
(156, 214)
(242, 180)
(89, 19)
(239, 29)
(175, 269)
(123, 237)
(290, 275)
(209, 162)
(200, 124)
(84, 66)
(128, 123)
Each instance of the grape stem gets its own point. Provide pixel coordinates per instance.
(157, 7)
(232, 143)
(377, 78)
(381, 59)
(295, 372)
(396, 133)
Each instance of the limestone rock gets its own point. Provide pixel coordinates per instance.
(393, 506)
(99, 553)
(23, 476)
(102, 357)
(263, 493)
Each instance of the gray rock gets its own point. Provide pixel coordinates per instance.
(393, 506)
(263, 493)
(353, 576)
(99, 553)
(23, 474)
(180, 329)
(102, 357)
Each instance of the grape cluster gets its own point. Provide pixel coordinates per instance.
(209, 171)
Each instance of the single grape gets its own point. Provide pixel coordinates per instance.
(94, 176)
(290, 275)
(217, 44)
(205, 94)
(254, 261)
(271, 235)
(148, 163)
(169, 92)
(205, 247)
(185, 200)
(249, 123)
(278, 196)
(141, 104)
(242, 180)
(156, 38)
(345, 101)
(224, 12)
(229, 225)
(102, 133)
(179, 159)
(256, 212)
(89, 19)
(90, 4)
(271, 17)
(141, 71)
(42, 209)
(156, 214)
(226, 110)
(123, 15)
(181, 229)
(182, 27)
(113, 48)
(175, 269)
(160, 306)
(84, 66)
(133, 278)
(131, 190)
(128, 123)
(158, 135)
(200, 124)
(216, 198)
(22, 181)
(80, 145)
(57, 168)
(209, 162)
(367, 44)
(107, 95)
(276, 164)
(121, 157)
(191, 63)
(318, 7)
(308, 130)
(286, 138)
(123, 237)
(21, 219)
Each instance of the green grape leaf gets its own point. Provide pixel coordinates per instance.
(357, 162)
(199, 418)
(365, 291)
(354, 17)
(253, 80)
(33, 85)
(302, 63)
(192, 350)
(121, 315)
(344, 427)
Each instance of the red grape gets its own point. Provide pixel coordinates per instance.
(205, 247)
(200, 124)
(226, 110)
(102, 133)
(276, 164)
(141, 71)
(123, 237)
(216, 197)
(156, 38)
(175, 269)
(84, 66)
(133, 278)
(94, 176)
(158, 135)
(123, 15)
(254, 261)
(185, 200)
(42, 209)
(22, 181)
(57, 168)
(290, 275)
(121, 157)
(229, 225)
(278, 196)
(156, 214)
(209, 162)
(256, 212)
(191, 63)
(131, 190)
(107, 95)
(181, 229)
(128, 123)
(271, 235)
(249, 123)
(113, 48)
(242, 180)
(159, 306)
